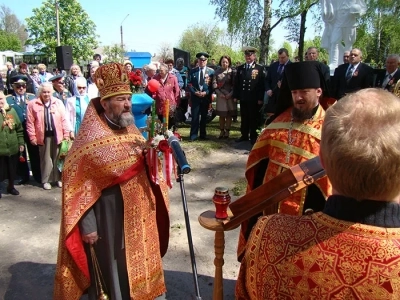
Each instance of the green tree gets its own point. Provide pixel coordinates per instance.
(201, 38)
(113, 53)
(10, 24)
(378, 33)
(253, 18)
(9, 41)
(76, 29)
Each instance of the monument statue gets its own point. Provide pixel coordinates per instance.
(340, 18)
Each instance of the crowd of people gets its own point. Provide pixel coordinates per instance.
(115, 214)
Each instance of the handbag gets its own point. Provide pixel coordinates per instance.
(64, 148)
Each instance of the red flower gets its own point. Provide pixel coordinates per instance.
(21, 158)
(163, 145)
(136, 78)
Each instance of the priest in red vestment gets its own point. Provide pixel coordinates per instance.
(109, 203)
(350, 250)
(293, 137)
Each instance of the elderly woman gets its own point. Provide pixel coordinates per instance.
(11, 143)
(76, 106)
(223, 87)
(47, 127)
(168, 91)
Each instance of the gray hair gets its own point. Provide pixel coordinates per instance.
(164, 66)
(42, 86)
(81, 80)
(394, 56)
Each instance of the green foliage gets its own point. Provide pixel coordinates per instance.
(201, 38)
(378, 34)
(113, 53)
(10, 24)
(76, 29)
(9, 41)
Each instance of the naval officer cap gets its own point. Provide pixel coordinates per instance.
(202, 55)
(248, 50)
(18, 79)
(56, 78)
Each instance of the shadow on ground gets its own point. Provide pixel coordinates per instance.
(34, 281)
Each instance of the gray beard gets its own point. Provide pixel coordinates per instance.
(301, 116)
(125, 120)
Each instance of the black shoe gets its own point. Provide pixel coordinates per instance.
(23, 181)
(241, 139)
(203, 138)
(12, 191)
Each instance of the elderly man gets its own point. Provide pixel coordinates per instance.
(249, 89)
(60, 92)
(350, 250)
(346, 56)
(199, 81)
(111, 209)
(312, 55)
(351, 77)
(387, 79)
(19, 101)
(293, 137)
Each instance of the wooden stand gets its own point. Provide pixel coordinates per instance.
(207, 220)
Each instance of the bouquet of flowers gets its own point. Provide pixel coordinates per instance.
(158, 148)
(135, 81)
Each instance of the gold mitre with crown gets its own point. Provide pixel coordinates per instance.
(112, 80)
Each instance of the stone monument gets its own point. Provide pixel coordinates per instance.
(340, 18)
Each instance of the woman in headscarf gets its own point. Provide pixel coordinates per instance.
(47, 127)
(11, 143)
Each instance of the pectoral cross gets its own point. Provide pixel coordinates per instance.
(287, 152)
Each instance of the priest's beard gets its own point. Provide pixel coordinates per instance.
(302, 115)
(126, 119)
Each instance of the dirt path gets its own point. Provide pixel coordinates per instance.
(29, 227)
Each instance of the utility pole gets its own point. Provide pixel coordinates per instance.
(58, 25)
(122, 34)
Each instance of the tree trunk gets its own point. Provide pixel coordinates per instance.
(265, 32)
(303, 16)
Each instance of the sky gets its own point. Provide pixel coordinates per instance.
(146, 24)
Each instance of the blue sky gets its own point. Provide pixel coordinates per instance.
(149, 24)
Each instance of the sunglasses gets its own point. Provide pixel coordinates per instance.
(35, 72)
(81, 87)
(21, 86)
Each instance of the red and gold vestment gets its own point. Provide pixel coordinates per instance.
(319, 257)
(273, 144)
(99, 158)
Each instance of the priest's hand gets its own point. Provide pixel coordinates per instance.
(90, 238)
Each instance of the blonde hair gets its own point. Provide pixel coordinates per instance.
(43, 66)
(360, 145)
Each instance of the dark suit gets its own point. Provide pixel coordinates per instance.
(362, 78)
(23, 168)
(199, 104)
(249, 88)
(274, 75)
(10, 73)
(391, 83)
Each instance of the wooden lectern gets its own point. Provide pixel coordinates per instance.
(255, 202)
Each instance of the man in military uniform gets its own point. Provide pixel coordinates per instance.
(60, 92)
(249, 89)
(19, 101)
(199, 82)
